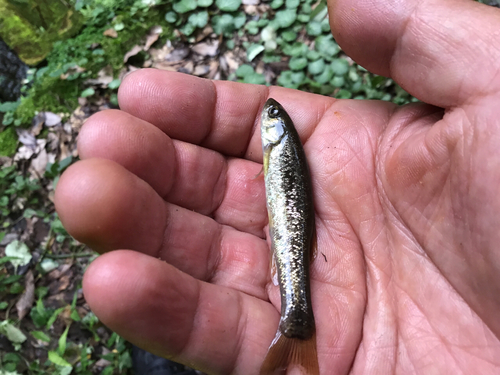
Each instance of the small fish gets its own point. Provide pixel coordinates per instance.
(291, 227)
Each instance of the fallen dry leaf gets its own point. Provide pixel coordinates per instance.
(39, 163)
(134, 51)
(207, 30)
(50, 118)
(201, 70)
(153, 35)
(206, 49)
(27, 299)
(26, 138)
(178, 54)
(104, 77)
(111, 33)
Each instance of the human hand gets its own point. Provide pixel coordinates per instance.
(407, 206)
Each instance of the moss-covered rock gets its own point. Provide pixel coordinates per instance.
(30, 27)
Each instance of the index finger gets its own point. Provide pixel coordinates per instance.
(220, 115)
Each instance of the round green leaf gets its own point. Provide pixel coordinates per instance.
(268, 33)
(255, 78)
(275, 4)
(262, 22)
(289, 36)
(298, 77)
(239, 20)
(244, 70)
(343, 94)
(306, 8)
(199, 19)
(314, 28)
(353, 74)
(20, 252)
(286, 18)
(316, 67)
(254, 50)
(296, 49)
(339, 67)
(252, 27)
(313, 55)
(205, 3)
(184, 6)
(292, 4)
(338, 81)
(228, 5)
(325, 25)
(230, 44)
(304, 18)
(87, 92)
(325, 76)
(223, 24)
(187, 29)
(171, 17)
(326, 45)
(285, 80)
(297, 63)
(114, 84)
(270, 45)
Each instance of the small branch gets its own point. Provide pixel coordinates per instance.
(63, 256)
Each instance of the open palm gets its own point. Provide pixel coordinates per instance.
(407, 275)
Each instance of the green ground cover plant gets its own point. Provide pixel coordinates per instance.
(296, 31)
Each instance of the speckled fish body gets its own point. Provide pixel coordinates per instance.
(291, 227)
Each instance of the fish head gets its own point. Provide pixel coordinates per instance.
(273, 124)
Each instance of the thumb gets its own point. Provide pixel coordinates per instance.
(444, 52)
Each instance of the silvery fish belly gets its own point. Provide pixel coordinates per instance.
(292, 231)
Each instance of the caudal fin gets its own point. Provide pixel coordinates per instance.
(286, 353)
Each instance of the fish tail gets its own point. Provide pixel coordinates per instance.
(286, 353)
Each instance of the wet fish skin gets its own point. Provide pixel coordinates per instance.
(291, 225)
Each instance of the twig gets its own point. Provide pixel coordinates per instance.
(63, 256)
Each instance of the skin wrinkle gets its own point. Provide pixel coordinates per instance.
(321, 118)
(436, 332)
(214, 258)
(164, 242)
(191, 335)
(220, 191)
(242, 328)
(220, 259)
(175, 171)
(210, 128)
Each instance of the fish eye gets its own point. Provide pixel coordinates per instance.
(273, 111)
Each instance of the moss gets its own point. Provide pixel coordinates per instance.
(8, 142)
(30, 28)
(90, 50)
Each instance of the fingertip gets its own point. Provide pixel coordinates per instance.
(105, 206)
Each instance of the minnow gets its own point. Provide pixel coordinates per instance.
(292, 231)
